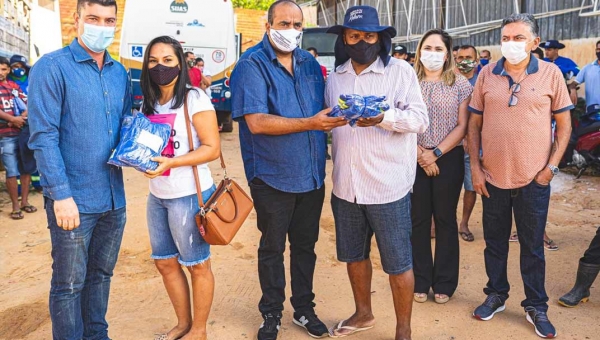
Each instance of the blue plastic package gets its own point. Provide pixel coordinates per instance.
(141, 140)
(354, 106)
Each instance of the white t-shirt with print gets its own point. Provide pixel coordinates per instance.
(180, 182)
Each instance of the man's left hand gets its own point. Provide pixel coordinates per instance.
(427, 158)
(544, 177)
(372, 121)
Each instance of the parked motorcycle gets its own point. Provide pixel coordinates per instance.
(586, 142)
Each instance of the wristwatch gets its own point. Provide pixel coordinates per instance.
(555, 170)
(437, 152)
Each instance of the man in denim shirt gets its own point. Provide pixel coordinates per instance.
(278, 100)
(78, 96)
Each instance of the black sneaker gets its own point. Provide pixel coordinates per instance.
(493, 304)
(311, 323)
(270, 327)
(540, 322)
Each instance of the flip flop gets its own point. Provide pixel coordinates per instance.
(550, 245)
(352, 330)
(467, 236)
(29, 209)
(17, 215)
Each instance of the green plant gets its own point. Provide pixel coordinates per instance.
(253, 4)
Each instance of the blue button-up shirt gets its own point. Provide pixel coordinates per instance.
(565, 65)
(590, 75)
(75, 114)
(260, 84)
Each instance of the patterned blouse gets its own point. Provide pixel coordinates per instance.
(442, 103)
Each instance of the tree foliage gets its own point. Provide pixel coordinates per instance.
(253, 4)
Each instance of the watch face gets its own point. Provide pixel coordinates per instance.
(437, 152)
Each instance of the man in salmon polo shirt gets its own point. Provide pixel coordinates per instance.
(513, 103)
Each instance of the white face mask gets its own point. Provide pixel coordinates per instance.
(514, 51)
(433, 61)
(286, 40)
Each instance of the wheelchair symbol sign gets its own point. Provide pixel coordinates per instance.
(137, 51)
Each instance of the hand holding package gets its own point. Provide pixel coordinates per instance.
(141, 140)
(354, 106)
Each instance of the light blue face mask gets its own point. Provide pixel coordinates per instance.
(97, 38)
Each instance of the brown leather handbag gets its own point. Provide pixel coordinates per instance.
(226, 210)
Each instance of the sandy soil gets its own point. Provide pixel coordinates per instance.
(139, 306)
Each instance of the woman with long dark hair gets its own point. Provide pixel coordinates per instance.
(173, 203)
(441, 169)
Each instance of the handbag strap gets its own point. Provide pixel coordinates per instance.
(188, 126)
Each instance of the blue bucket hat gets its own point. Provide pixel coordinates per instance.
(552, 44)
(362, 18)
(19, 59)
(366, 19)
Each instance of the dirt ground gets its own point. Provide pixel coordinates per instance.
(139, 306)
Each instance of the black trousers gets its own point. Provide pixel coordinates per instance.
(438, 197)
(282, 215)
(592, 254)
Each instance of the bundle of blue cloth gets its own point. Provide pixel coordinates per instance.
(141, 140)
(354, 106)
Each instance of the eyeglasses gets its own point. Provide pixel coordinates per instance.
(514, 100)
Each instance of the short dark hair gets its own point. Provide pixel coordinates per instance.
(466, 47)
(271, 11)
(312, 49)
(597, 42)
(151, 90)
(455, 48)
(4, 61)
(525, 18)
(486, 51)
(539, 52)
(106, 3)
(187, 54)
(198, 60)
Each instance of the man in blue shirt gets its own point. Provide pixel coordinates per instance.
(78, 96)
(278, 100)
(567, 66)
(590, 75)
(19, 71)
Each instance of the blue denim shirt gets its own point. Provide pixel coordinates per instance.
(75, 114)
(260, 84)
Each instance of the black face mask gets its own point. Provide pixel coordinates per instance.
(598, 55)
(163, 75)
(363, 52)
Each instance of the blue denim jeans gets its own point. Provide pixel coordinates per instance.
(83, 263)
(173, 230)
(355, 225)
(530, 207)
(9, 151)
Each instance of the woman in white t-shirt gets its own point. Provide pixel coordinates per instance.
(173, 203)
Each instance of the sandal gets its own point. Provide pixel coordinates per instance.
(513, 238)
(550, 245)
(443, 298)
(17, 215)
(30, 209)
(334, 331)
(420, 297)
(467, 236)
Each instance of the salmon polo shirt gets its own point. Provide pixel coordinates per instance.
(517, 141)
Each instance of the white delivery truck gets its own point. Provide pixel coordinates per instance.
(204, 27)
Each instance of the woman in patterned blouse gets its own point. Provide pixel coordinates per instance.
(441, 168)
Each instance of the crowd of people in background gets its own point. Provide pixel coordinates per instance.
(429, 127)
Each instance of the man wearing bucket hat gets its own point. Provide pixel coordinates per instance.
(567, 66)
(367, 197)
(19, 72)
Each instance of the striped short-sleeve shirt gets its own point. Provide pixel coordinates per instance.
(517, 140)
